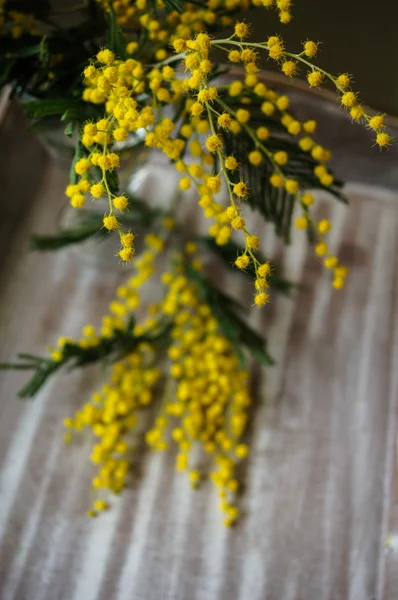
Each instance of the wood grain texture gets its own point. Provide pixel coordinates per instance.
(319, 484)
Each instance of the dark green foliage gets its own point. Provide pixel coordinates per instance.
(47, 72)
(49, 67)
(66, 237)
(116, 40)
(275, 204)
(79, 153)
(91, 226)
(108, 350)
(170, 5)
(229, 252)
(232, 324)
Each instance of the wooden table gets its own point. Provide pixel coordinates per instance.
(320, 508)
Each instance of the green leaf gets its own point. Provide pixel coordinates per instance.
(228, 253)
(112, 178)
(69, 129)
(174, 5)
(65, 237)
(116, 40)
(139, 213)
(16, 366)
(79, 152)
(27, 51)
(31, 357)
(233, 326)
(111, 349)
(177, 5)
(218, 71)
(45, 369)
(276, 205)
(262, 356)
(130, 323)
(212, 295)
(51, 107)
(7, 68)
(143, 42)
(44, 52)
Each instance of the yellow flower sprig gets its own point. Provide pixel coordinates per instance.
(197, 57)
(237, 222)
(121, 85)
(303, 199)
(288, 61)
(205, 403)
(116, 82)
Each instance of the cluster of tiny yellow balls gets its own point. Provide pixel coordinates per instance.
(231, 218)
(206, 399)
(206, 402)
(289, 64)
(119, 85)
(209, 184)
(192, 19)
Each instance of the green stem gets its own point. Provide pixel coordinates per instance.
(312, 66)
(167, 61)
(263, 46)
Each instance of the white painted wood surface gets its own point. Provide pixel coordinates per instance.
(319, 503)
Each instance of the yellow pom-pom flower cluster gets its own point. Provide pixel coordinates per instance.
(209, 408)
(205, 404)
(181, 357)
(135, 96)
(112, 416)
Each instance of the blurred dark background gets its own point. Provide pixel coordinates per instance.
(358, 36)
